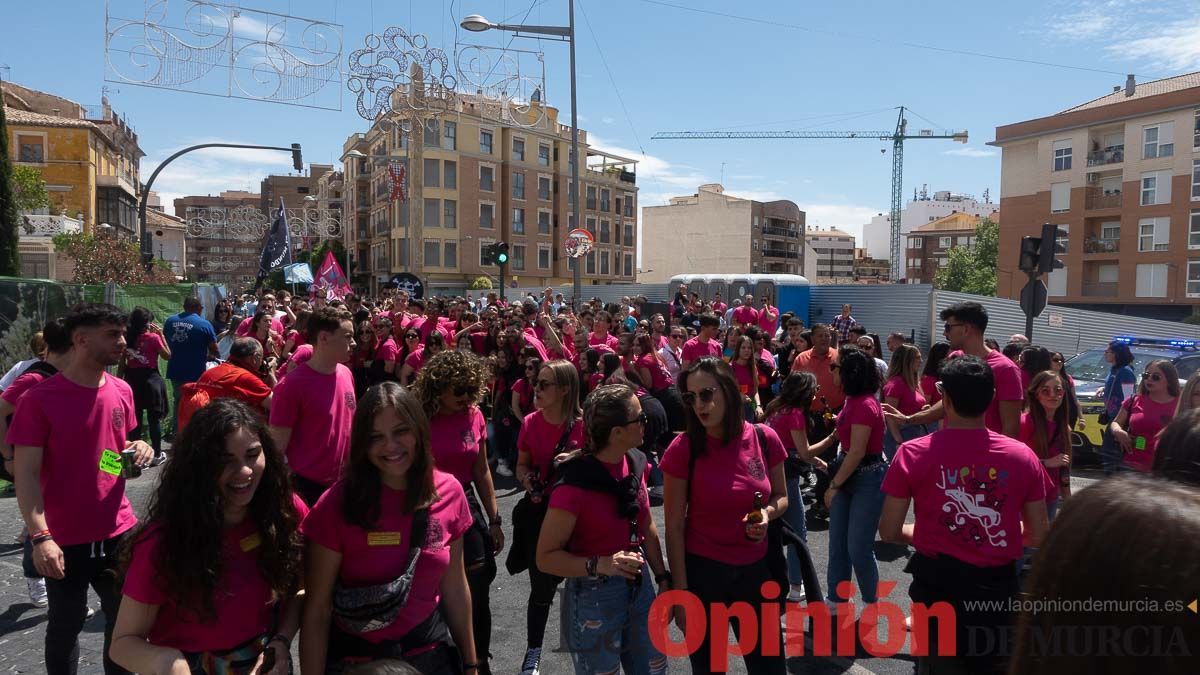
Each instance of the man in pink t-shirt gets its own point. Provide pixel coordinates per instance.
(69, 435)
(768, 317)
(704, 344)
(746, 315)
(313, 406)
(267, 305)
(978, 499)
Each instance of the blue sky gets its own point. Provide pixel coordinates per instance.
(646, 66)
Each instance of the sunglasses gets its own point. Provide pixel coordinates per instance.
(412, 337)
(544, 384)
(705, 395)
(1056, 360)
(947, 327)
(1153, 377)
(466, 391)
(640, 419)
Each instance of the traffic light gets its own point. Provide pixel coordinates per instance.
(1030, 247)
(1039, 255)
(501, 253)
(297, 158)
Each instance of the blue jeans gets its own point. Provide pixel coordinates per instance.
(608, 625)
(795, 517)
(1110, 453)
(853, 522)
(907, 432)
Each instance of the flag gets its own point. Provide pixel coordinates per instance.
(397, 182)
(331, 278)
(299, 273)
(277, 249)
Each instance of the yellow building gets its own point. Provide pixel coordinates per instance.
(88, 156)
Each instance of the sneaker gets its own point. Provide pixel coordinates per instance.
(533, 657)
(503, 470)
(90, 613)
(159, 459)
(796, 593)
(37, 591)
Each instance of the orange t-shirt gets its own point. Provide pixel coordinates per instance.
(819, 366)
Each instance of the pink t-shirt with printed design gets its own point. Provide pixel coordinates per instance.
(146, 355)
(318, 408)
(539, 438)
(456, 442)
(1146, 420)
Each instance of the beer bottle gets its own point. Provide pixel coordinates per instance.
(537, 490)
(635, 545)
(827, 415)
(268, 662)
(754, 516)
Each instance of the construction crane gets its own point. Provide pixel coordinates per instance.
(897, 138)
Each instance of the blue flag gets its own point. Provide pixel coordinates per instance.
(277, 249)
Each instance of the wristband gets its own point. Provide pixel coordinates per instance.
(279, 637)
(41, 539)
(39, 533)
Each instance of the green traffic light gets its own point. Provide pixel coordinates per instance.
(502, 258)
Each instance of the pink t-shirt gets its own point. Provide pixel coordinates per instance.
(243, 328)
(745, 315)
(81, 431)
(694, 349)
(719, 308)
(1026, 436)
(599, 530)
(243, 602)
(318, 408)
(1146, 420)
(377, 555)
(910, 401)
(724, 481)
(456, 442)
(22, 384)
(745, 379)
(1009, 386)
(539, 438)
(610, 341)
(416, 360)
(785, 421)
(303, 354)
(768, 323)
(524, 393)
(968, 487)
(387, 350)
(863, 409)
(660, 378)
(929, 389)
(146, 355)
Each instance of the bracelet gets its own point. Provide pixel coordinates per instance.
(470, 666)
(39, 533)
(280, 637)
(41, 539)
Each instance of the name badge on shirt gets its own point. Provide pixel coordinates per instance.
(110, 462)
(383, 539)
(250, 542)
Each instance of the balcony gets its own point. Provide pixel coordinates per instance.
(48, 226)
(1096, 199)
(779, 253)
(780, 232)
(1100, 289)
(1111, 155)
(1100, 245)
(628, 177)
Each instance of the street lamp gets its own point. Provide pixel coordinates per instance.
(477, 24)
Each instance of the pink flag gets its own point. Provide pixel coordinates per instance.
(332, 279)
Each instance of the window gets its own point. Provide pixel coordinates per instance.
(628, 205)
(914, 242)
(605, 196)
(1056, 282)
(433, 253)
(1060, 197)
(942, 262)
(1158, 140)
(518, 190)
(1196, 131)
(604, 267)
(1108, 274)
(302, 190)
(518, 257)
(963, 241)
(543, 154)
(1195, 179)
(544, 188)
(591, 198)
(1062, 242)
(487, 179)
(543, 258)
(1154, 234)
(1110, 230)
(432, 173)
(433, 213)
(1156, 188)
(449, 139)
(945, 242)
(485, 142)
(1062, 155)
(543, 222)
(518, 221)
(628, 234)
(629, 264)
(431, 134)
(1194, 231)
(487, 216)
(604, 232)
(590, 264)
(449, 213)
(483, 244)
(1152, 281)
(590, 225)
(450, 256)
(1193, 278)
(35, 265)
(450, 174)
(519, 149)
(755, 245)
(31, 149)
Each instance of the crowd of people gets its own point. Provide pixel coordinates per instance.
(332, 468)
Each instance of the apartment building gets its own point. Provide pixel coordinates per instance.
(923, 209)
(834, 252)
(870, 270)
(1121, 175)
(216, 255)
(927, 248)
(475, 177)
(712, 232)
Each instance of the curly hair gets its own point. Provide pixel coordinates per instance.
(188, 514)
(448, 370)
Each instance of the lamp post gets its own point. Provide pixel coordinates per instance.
(478, 24)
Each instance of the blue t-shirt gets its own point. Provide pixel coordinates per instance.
(188, 335)
(1114, 393)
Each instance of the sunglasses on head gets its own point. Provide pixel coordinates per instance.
(705, 395)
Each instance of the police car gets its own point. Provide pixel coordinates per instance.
(1090, 370)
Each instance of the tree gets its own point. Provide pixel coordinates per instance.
(10, 256)
(481, 284)
(29, 189)
(103, 259)
(973, 270)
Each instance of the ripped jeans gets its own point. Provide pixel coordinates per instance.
(608, 626)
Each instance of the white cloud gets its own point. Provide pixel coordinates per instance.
(970, 152)
(608, 120)
(1175, 46)
(213, 170)
(1081, 25)
(848, 218)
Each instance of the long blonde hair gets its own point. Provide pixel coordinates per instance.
(905, 363)
(567, 379)
(1041, 424)
(1185, 397)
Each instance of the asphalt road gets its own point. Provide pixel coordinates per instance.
(22, 625)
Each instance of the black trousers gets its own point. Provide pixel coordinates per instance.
(93, 565)
(309, 490)
(479, 557)
(716, 582)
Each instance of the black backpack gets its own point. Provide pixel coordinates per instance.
(585, 471)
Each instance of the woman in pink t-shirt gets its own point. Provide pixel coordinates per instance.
(385, 356)
(358, 537)
(551, 431)
(722, 484)
(434, 343)
(595, 532)
(1045, 427)
(522, 389)
(1145, 414)
(296, 334)
(174, 614)
(903, 392)
(260, 329)
(745, 371)
(656, 377)
(450, 387)
(144, 346)
(929, 376)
